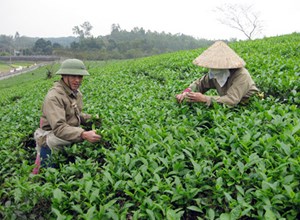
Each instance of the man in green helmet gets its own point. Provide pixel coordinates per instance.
(61, 114)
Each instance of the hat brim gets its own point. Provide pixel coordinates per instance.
(72, 72)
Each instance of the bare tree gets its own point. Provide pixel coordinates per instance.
(76, 30)
(84, 30)
(242, 18)
(87, 27)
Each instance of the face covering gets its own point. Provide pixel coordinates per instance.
(221, 75)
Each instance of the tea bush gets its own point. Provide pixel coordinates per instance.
(159, 159)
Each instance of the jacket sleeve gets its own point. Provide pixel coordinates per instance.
(202, 85)
(240, 86)
(84, 118)
(55, 113)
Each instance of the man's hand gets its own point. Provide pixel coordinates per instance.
(196, 97)
(180, 97)
(90, 136)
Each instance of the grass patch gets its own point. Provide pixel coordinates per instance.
(4, 67)
(26, 78)
(7, 66)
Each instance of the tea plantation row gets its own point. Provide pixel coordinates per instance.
(159, 159)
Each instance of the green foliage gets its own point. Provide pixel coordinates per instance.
(50, 71)
(43, 47)
(159, 159)
(4, 67)
(122, 44)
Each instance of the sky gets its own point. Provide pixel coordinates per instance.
(197, 18)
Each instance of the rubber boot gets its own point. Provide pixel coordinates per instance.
(37, 164)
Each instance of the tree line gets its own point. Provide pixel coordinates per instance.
(122, 44)
(119, 44)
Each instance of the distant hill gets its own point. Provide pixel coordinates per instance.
(24, 42)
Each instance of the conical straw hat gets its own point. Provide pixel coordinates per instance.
(219, 56)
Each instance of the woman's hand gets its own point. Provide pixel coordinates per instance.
(180, 97)
(90, 136)
(196, 97)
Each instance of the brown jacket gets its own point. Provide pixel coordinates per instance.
(238, 88)
(62, 113)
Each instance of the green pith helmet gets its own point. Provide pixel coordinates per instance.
(72, 67)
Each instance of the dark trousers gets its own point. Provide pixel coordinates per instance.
(46, 158)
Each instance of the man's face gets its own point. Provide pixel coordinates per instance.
(73, 81)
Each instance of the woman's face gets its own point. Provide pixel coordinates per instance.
(73, 81)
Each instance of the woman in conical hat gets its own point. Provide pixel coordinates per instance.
(227, 74)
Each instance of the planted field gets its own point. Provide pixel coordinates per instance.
(159, 159)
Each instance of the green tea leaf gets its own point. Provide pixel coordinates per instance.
(94, 195)
(290, 191)
(150, 214)
(194, 208)
(108, 177)
(88, 186)
(58, 195)
(138, 179)
(270, 215)
(225, 216)
(58, 214)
